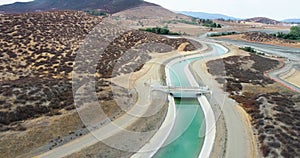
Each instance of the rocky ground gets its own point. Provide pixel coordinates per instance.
(274, 110)
(37, 54)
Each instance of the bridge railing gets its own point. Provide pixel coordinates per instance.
(182, 90)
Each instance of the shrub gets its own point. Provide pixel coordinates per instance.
(159, 30)
(248, 49)
(222, 34)
(294, 34)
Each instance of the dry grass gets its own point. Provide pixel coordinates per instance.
(41, 131)
(241, 37)
(146, 124)
(37, 60)
(274, 110)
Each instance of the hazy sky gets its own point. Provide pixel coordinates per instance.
(12, 1)
(276, 9)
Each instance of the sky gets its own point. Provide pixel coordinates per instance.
(12, 1)
(275, 9)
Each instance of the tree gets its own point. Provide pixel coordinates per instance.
(214, 25)
(295, 31)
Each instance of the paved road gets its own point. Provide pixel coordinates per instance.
(239, 133)
(117, 126)
(275, 75)
(292, 56)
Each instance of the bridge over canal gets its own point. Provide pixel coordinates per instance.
(183, 92)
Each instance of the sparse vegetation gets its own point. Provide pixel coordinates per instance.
(79, 5)
(197, 21)
(37, 57)
(274, 114)
(96, 12)
(182, 21)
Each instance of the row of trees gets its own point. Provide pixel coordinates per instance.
(197, 21)
(222, 34)
(160, 30)
(207, 23)
(251, 50)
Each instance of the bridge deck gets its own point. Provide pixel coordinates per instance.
(182, 91)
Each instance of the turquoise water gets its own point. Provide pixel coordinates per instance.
(189, 119)
(178, 77)
(185, 139)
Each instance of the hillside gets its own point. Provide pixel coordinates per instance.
(261, 37)
(263, 20)
(149, 12)
(110, 6)
(152, 16)
(37, 59)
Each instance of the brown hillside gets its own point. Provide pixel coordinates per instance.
(42, 47)
(110, 6)
(263, 20)
(263, 37)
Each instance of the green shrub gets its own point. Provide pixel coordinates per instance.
(294, 34)
(223, 34)
(248, 49)
(159, 30)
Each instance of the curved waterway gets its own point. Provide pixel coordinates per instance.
(187, 136)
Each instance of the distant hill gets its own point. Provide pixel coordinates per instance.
(203, 15)
(110, 6)
(291, 20)
(263, 20)
(152, 13)
(150, 16)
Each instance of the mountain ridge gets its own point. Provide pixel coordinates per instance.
(263, 20)
(291, 20)
(204, 15)
(109, 6)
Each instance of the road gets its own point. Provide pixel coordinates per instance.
(276, 75)
(150, 71)
(239, 138)
(240, 141)
(291, 55)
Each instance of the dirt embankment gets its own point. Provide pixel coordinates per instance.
(273, 109)
(37, 59)
(261, 37)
